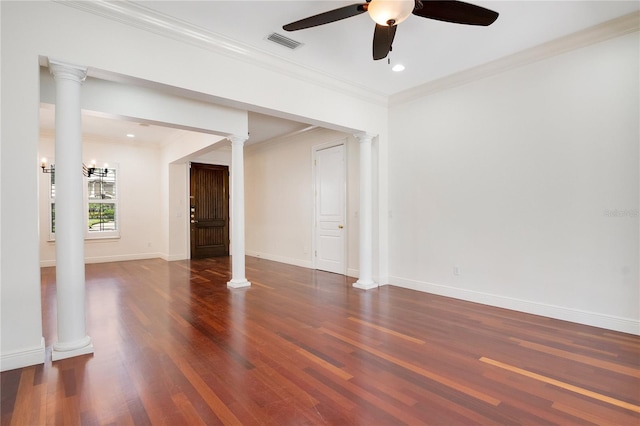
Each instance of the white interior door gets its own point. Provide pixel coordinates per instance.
(330, 202)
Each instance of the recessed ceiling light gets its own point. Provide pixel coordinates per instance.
(398, 67)
(131, 135)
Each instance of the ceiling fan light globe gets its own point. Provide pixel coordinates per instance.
(385, 11)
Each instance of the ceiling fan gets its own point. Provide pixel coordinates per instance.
(387, 14)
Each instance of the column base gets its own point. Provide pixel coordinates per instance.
(69, 350)
(238, 283)
(365, 285)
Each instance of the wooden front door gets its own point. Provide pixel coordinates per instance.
(209, 210)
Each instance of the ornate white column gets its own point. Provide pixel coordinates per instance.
(238, 278)
(365, 280)
(70, 222)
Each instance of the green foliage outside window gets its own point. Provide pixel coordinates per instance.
(102, 217)
(53, 218)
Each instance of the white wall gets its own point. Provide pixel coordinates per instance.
(177, 219)
(30, 30)
(21, 319)
(511, 179)
(139, 188)
(279, 198)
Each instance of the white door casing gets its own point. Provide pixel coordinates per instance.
(330, 206)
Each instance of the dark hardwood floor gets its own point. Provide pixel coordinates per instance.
(174, 346)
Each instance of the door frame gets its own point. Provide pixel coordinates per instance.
(315, 149)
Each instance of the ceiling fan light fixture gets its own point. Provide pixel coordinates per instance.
(390, 12)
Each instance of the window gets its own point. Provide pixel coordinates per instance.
(101, 201)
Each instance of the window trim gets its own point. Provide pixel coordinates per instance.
(90, 235)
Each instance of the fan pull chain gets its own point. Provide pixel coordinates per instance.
(390, 24)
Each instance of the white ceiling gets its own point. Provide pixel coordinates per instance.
(109, 129)
(429, 49)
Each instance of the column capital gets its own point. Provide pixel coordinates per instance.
(364, 136)
(237, 139)
(67, 71)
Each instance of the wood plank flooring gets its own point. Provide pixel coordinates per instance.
(174, 346)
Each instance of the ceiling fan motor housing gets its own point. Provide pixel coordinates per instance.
(390, 12)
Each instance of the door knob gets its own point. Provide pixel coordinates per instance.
(194, 221)
(340, 226)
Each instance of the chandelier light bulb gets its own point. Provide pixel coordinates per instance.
(390, 12)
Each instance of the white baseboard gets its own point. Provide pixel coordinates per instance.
(23, 358)
(121, 257)
(610, 322)
(113, 258)
(281, 259)
(353, 273)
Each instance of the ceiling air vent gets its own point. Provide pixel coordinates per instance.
(284, 41)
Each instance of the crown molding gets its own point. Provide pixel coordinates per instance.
(147, 19)
(614, 28)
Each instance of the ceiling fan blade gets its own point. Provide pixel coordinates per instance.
(457, 12)
(327, 17)
(382, 40)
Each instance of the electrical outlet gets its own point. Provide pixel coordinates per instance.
(456, 270)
